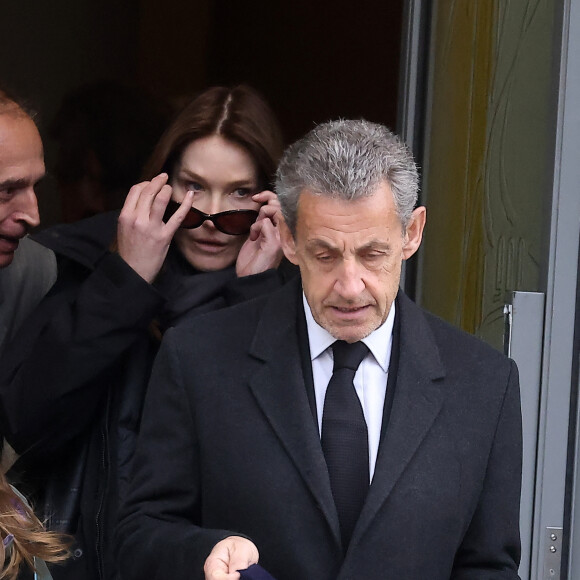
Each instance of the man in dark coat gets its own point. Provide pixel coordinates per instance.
(26, 269)
(234, 462)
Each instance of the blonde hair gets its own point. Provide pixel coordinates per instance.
(23, 535)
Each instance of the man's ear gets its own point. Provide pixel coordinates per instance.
(414, 233)
(287, 241)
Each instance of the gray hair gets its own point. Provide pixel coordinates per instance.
(347, 159)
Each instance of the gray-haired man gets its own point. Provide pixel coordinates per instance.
(251, 443)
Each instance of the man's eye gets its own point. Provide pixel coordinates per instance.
(372, 255)
(324, 258)
(6, 193)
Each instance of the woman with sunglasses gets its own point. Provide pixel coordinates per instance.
(210, 175)
(198, 235)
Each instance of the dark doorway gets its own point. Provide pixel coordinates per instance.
(312, 60)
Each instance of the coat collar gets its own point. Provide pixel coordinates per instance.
(279, 390)
(418, 399)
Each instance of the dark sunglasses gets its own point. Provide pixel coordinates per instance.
(234, 222)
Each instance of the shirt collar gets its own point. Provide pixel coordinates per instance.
(379, 341)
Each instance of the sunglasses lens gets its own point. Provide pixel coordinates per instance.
(237, 222)
(234, 222)
(171, 208)
(193, 218)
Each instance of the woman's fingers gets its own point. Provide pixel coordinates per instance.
(132, 197)
(159, 204)
(266, 231)
(265, 196)
(271, 206)
(150, 194)
(142, 237)
(270, 212)
(141, 196)
(177, 218)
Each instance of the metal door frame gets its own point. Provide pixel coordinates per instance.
(561, 279)
(559, 353)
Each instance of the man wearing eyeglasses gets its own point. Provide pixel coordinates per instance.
(332, 430)
(27, 270)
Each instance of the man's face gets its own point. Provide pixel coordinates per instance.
(350, 255)
(21, 167)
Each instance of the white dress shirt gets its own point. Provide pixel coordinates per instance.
(370, 380)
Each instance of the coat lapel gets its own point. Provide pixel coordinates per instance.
(279, 389)
(417, 402)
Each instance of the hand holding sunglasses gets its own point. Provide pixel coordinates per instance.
(262, 250)
(142, 237)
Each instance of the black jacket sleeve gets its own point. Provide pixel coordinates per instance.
(53, 374)
(57, 370)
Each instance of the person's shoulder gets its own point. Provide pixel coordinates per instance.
(32, 249)
(32, 272)
(239, 320)
(458, 341)
(230, 318)
(455, 344)
(85, 241)
(32, 259)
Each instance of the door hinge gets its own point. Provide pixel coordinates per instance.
(553, 559)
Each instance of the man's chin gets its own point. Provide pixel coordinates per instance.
(6, 259)
(349, 327)
(350, 333)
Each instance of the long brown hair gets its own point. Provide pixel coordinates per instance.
(238, 114)
(25, 535)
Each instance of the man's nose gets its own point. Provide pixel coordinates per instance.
(27, 208)
(349, 283)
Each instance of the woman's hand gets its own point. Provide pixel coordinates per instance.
(262, 249)
(142, 237)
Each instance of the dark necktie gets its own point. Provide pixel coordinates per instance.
(344, 437)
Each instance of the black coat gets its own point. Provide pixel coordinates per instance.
(229, 446)
(73, 381)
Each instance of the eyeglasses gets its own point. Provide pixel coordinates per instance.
(234, 222)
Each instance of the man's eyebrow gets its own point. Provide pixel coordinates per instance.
(372, 245)
(320, 244)
(375, 245)
(13, 183)
(19, 182)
